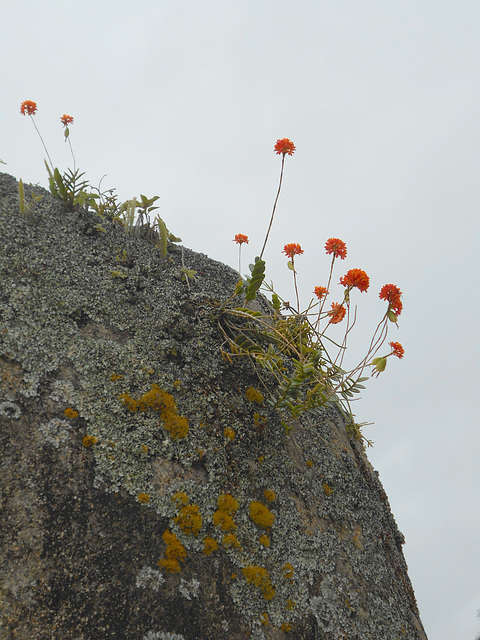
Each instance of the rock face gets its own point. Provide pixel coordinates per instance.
(148, 491)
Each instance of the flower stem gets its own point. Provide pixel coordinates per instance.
(39, 135)
(274, 207)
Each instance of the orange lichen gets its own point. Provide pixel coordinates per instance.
(115, 376)
(174, 553)
(161, 401)
(264, 618)
(290, 604)
(189, 519)
(229, 433)
(230, 540)
(261, 514)
(327, 489)
(287, 570)
(253, 395)
(264, 540)
(89, 441)
(260, 578)
(71, 413)
(180, 498)
(270, 495)
(309, 464)
(286, 626)
(143, 497)
(210, 545)
(222, 517)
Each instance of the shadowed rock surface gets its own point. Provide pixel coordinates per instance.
(120, 421)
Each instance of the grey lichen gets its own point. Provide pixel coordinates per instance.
(330, 565)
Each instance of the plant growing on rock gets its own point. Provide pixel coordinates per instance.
(293, 347)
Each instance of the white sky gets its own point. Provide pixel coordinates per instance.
(185, 100)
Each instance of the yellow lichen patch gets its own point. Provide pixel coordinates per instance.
(229, 433)
(222, 517)
(89, 441)
(261, 514)
(230, 540)
(259, 576)
(210, 545)
(286, 626)
(253, 395)
(161, 401)
(143, 497)
(114, 377)
(180, 498)
(259, 421)
(290, 604)
(270, 495)
(264, 618)
(71, 413)
(357, 537)
(327, 489)
(144, 448)
(287, 570)
(189, 519)
(264, 540)
(174, 553)
(309, 464)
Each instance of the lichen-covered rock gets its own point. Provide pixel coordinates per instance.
(147, 492)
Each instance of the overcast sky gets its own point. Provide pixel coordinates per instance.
(185, 100)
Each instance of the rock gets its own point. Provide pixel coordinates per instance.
(145, 493)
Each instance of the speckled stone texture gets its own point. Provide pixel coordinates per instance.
(90, 315)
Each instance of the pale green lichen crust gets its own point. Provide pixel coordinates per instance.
(329, 564)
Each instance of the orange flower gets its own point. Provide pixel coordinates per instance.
(66, 120)
(337, 313)
(337, 247)
(240, 238)
(320, 292)
(392, 294)
(292, 249)
(285, 146)
(28, 107)
(397, 349)
(356, 278)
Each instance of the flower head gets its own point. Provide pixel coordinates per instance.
(392, 294)
(356, 278)
(337, 247)
(66, 120)
(320, 292)
(337, 313)
(285, 146)
(397, 349)
(240, 239)
(292, 249)
(28, 107)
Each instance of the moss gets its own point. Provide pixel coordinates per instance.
(174, 553)
(189, 519)
(253, 395)
(209, 545)
(89, 441)
(260, 577)
(261, 514)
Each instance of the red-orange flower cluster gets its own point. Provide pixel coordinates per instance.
(28, 107)
(337, 313)
(66, 120)
(392, 294)
(292, 249)
(240, 238)
(337, 247)
(397, 349)
(320, 292)
(285, 146)
(356, 278)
